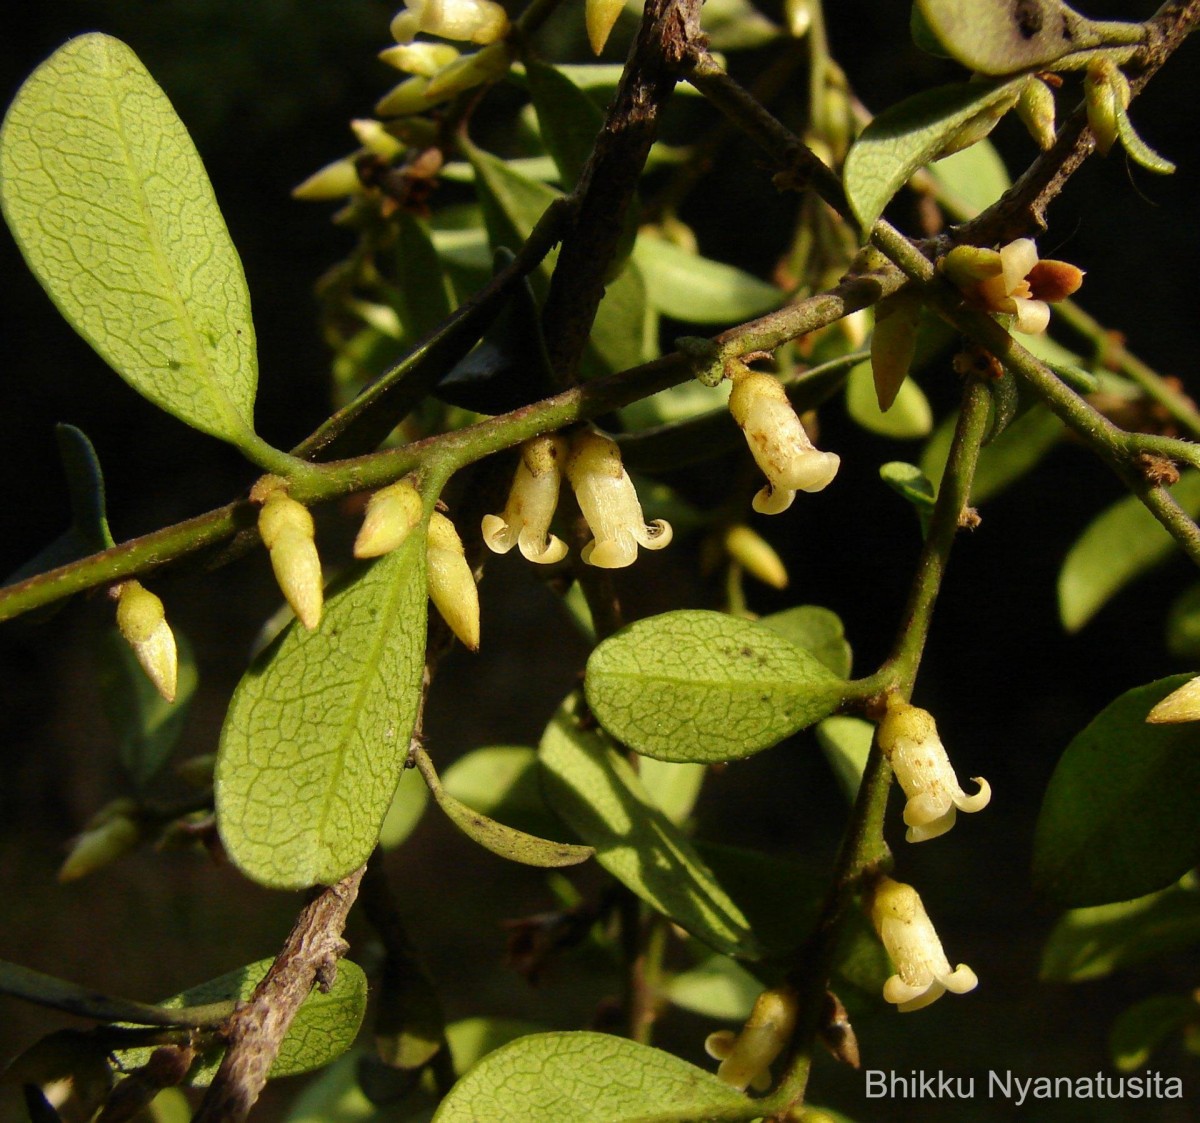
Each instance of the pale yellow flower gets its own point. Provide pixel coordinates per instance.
(532, 500)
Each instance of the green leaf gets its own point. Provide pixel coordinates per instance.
(422, 288)
(673, 787)
(970, 181)
(582, 1077)
(993, 38)
(110, 204)
(1119, 545)
(818, 630)
(503, 781)
(1183, 625)
(1119, 817)
(1011, 455)
(846, 743)
(596, 791)
(908, 417)
(733, 25)
(897, 142)
(698, 290)
(1136, 148)
(1092, 943)
(568, 119)
(1141, 1029)
(706, 687)
(146, 726)
(717, 988)
(619, 338)
(324, 1027)
(405, 812)
(507, 842)
(910, 482)
(318, 730)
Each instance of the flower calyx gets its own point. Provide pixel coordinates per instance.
(908, 737)
(451, 583)
(143, 625)
(1012, 281)
(923, 972)
(609, 503)
(746, 1056)
(532, 500)
(287, 531)
(778, 441)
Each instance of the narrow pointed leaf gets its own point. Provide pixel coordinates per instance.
(582, 1077)
(619, 338)
(698, 290)
(596, 791)
(504, 782)
(1118, 546)
(897, 142)
(419, 276)
(568, 119)
(1119, 817)
(507, 842)
(318, 730)
(323, 1029)
(110, 204)
(703, 686)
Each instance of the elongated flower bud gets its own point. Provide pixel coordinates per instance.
(393, 513)
(405, 99)
(1180, 705)
(333, 181)
(287, 531)
(600, 16)
(778, 442)
(923, 972)
(1036, 109)
(111, 833)
(375, 138)
(144, 626)
(746, 1058)
(532, 500)
(609, 502)
(451, 585)
(469, 71)
(1104, 88)
(893, 344)
(756, 556)
(423, 59)
(480, 21)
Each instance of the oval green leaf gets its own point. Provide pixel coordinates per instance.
(717, 988)
(674, 788)
(1119, 545)
(910, 416)
(596, 791)
(1092, 943)
(705, 687)
(897, 142)
(970, 181)
(404, 812)
(1119, 817)
(506, 842)
(582, 1077)
(816, 629)
(846, 743)
(698, 290)
(323, 1029)
(106, 196)
(318, 730)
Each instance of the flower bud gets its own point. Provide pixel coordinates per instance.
(469, 71)
(480, 21)
(609, 503)
(1180, 705)
(797, 16)
(422, 59)
(923, 972)
(333, 181)
(375, 138)
(1036, 109)
(286, 529)
(111, 833)
(393, 513)
(1104, 89)
(778, 442)
(600, 16)
(532, 500)
(144, 626)
(908, 737)
(893, 344)
(405, 99)
(451, 585)
(756, 556)
(746, 1058)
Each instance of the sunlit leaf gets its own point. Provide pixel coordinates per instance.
(1119, 545)
(318, 730)
(846, 742)
(909, 416)
(596, 791)
(818, 630)
(582, 1077)
(673, 787)
(110, 204)
(897, 142)
(703, 686)
(323, 1029)
(971, 180)
(717, 988)
(1119, 817)
(697, 289)
(568, 119)
(405, 812)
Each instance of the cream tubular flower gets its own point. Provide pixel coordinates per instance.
(909, 739)
(1012, 281)
(923, 972)
(610, 504)
(746, 1057)
(778, 442)
(478, 21)
(531, 503)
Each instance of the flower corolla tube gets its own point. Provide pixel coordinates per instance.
(531, 503)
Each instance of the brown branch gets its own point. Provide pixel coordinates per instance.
(670, 30)
(257, 1028)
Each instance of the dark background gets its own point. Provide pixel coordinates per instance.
(266, 89)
